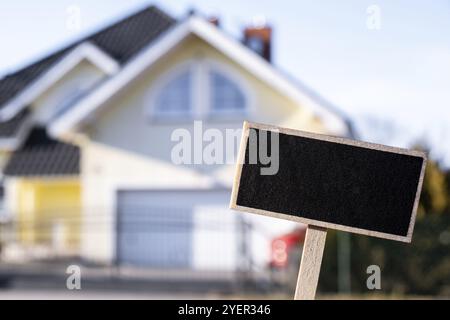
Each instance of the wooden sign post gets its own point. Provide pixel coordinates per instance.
(327, 182)
(308, 276)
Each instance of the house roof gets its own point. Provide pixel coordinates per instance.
(39, 154)
(134, 43)
(121, 41)
(335, 121)
(42, 155)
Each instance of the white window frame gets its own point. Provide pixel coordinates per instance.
(161, 83)
(201, 102)
(231, 74)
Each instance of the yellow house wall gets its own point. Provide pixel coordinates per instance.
(46, 205)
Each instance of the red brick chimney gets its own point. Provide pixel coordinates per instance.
(258, 37)
(214, 20)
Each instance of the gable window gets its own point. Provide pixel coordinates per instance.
(175, 96)
(226, 95)
(199, 89)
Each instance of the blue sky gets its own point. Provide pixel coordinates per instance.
(393, 81)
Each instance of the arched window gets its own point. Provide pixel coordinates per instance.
(226, 95)
(199, 89)
(175, 97)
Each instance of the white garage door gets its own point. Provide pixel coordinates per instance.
(156, 228)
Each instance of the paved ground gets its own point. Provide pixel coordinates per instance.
(48, 294)
(48, 281)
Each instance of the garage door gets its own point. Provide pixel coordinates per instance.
(156, 228)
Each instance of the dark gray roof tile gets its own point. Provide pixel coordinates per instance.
(41, 155)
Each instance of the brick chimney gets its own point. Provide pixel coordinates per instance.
(258, 37)
(214, 20)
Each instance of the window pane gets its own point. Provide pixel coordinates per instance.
(175, 97)
(226, 95)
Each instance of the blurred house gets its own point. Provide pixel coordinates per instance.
(87, 138)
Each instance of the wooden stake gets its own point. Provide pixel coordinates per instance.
(308, 276)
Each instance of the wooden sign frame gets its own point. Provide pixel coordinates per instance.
(241, 159)
(316, 232)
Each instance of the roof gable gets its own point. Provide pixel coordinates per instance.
(85, 51)
(219, 40)
(121, 41)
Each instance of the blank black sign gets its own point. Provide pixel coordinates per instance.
(339, 185)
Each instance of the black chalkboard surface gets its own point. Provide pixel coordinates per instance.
(329, 181)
